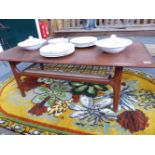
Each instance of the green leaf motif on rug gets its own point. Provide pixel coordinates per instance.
(41, 90)
(40, 98)
(57, 90)
(50, 101)
(88, 89)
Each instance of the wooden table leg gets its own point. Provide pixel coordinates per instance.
(116, 84)
(17, 76)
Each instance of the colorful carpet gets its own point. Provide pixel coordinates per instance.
(65, 107)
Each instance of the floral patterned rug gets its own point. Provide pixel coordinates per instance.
(66, 107)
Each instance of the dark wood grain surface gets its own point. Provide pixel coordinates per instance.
(135, 55)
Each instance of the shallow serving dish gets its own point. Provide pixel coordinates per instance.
(31, 43)
(57, 50)
(113, 44)
(85, 41)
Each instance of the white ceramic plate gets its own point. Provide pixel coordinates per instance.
(57, 50)
(58, 40)
(85, 41)
(58, 55)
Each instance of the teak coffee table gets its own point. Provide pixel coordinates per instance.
(135, 55)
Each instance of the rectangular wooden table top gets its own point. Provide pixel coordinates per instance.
(135, 55)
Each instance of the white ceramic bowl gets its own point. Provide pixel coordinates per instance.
(113, 44)
(32, 43)
(31, 48)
